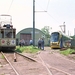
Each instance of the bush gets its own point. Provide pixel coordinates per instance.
(27, 49)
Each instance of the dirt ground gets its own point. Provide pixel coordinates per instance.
(57, 60)
(31, 68)
(48, 49)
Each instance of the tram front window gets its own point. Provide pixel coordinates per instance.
(54, 37)
(8, 34)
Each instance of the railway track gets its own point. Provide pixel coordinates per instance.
(28, 58)
(56, 64)
(16, 73)
(24, 65)
(49, 69)
(11, 58)
(52, 70)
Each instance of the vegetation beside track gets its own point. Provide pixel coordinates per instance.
(27, 49)
(32, 49)
(68, 51)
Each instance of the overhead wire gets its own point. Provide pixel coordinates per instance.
(10, 6)
(47, 10)
(53, 17)
(37, 11)
(41, 7)
(48, 4)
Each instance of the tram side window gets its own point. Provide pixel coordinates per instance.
(14, 35)
(0, 35)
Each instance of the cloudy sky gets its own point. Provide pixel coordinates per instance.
(58, 12)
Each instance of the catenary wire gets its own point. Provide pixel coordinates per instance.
(47, 12)
(37, 11)
(48, 5)
(10, 6)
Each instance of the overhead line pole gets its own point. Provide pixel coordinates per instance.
(33, 22)
(64, 26)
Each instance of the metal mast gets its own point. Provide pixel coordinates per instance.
(74, 31)
(64, 26)
(33, 22)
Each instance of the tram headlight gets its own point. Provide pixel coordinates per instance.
(51, 43)
(57, 43)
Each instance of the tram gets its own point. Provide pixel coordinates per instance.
(7, 33)
(59, 40)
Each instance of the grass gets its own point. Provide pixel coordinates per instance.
(68, 51)
(2, 57)
(27, 49)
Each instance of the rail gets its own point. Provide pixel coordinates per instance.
(10, 64)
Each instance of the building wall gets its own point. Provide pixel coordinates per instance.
(38, 34)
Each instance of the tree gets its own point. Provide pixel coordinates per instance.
(46, 30)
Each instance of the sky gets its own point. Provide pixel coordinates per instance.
(57, 12)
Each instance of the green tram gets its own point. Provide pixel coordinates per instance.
(59, 40)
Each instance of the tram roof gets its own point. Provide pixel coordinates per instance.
(63, 34)
(6, 28)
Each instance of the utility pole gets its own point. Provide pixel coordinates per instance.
(33, 22)
(74, 31)
(68, 32)
(64, 27)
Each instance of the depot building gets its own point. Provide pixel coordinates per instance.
(27, 34)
